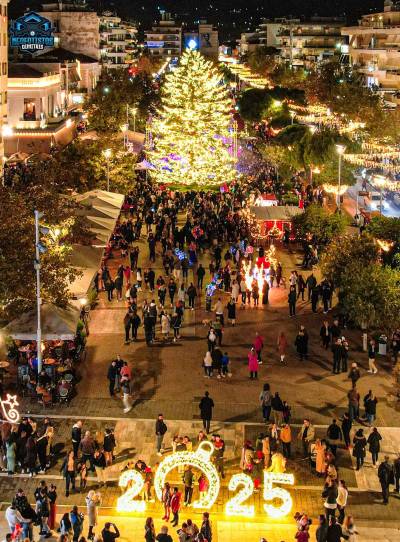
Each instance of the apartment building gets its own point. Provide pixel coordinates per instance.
(374, 47)
(118, 41)
(164, 39)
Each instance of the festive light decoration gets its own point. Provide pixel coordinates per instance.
(271, 493)
(126, 502)
(200, 459)
(384, 245)
(234, 506)
(336, 189)
(192, 142)
(8, 405)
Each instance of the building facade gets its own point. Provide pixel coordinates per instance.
(76, 29)
(3, 72)
(306, 43)
(118, 41)
(165, 38)
(374, 47)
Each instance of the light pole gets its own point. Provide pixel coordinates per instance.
(340, 150)
(292, 115)
(380, 180)
(134, 111)
(107, 155)
(36, 265)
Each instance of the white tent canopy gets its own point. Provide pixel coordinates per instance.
(56, 324)
(87, 260)
(277, 212)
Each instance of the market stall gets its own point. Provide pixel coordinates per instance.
(273, 221)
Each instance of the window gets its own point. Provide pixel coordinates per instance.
(50, 105)
(5, 97)
(4, 68)
(29, 109)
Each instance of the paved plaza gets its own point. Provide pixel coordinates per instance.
(169, 378)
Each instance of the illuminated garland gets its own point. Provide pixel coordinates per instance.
(271, 493)
(200, 459)
(126, 502)
(234, 506)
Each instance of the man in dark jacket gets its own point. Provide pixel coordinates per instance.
(111, 375)
(161, 429)
(206, 406)
(334, 533)
(334, 435)
(337, 356)
(76, 437)
(311, 283)
(385, 475)
(322, 530)
(396, 469)
(188, 478)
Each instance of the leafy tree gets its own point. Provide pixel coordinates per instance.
(263, 60)
(285, 76)
(17, 247)
(107, 105)
(370, 296)
(254, 104)
(345, 251)
(387, 231)
(320, 223)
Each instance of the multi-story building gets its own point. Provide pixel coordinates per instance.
(118, 41)
(204, 38)
(3, 71)
(301, 43)
(165, 38)
(76, 28)
(306, 43)
(374, 47)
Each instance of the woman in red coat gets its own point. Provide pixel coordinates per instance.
(175, 506)
(253, 364)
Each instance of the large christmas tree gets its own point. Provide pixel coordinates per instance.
(191, 132)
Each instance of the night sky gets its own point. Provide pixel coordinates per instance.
(233, 16)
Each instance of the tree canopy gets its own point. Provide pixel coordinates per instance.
(320, 223)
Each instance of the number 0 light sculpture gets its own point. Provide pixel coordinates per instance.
(200, 459)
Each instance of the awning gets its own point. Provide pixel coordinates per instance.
(278, 212)
(95, 198)
(56, 324)
(87, 260)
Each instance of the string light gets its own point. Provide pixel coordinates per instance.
(336, 189)
(200, 459)
(126, 502)
(234, 506)
(271, 493)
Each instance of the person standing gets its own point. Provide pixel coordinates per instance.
(258, 345)
(330, 493)
(306, 435)
(354, 374)
(68, 470)
(372, 357)
(292, 301)
(108, 446)
(188, 478)
(325, 334)
(161, 429)
(373, 441)
(231, 307)
(191, 293)
(200, 276)
(354, 403)
(205, 528)
(175, 506)
(282, 345)
(149, 531)
(107, 535)
(76, 437)
(265, 400)
(341, 500)
(301, 343)
(112, 375)
(286, 439)
(359, 445)
(311, 283)
(252, 364)
(206, 406)
(334, 435)
(93, 501)
(337, 356)
(277, 409)
(52, 495)
(396, 472)
(346, 428)
(385, 475)
(370, 402)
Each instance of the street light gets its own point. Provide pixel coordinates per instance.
(340, 150)
(380, 180)
(292, 115)
(107, 155)
(134, 111)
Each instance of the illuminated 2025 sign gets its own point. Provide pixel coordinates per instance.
(200, 459)
(31, 33)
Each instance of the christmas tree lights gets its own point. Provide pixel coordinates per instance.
(192, 131)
